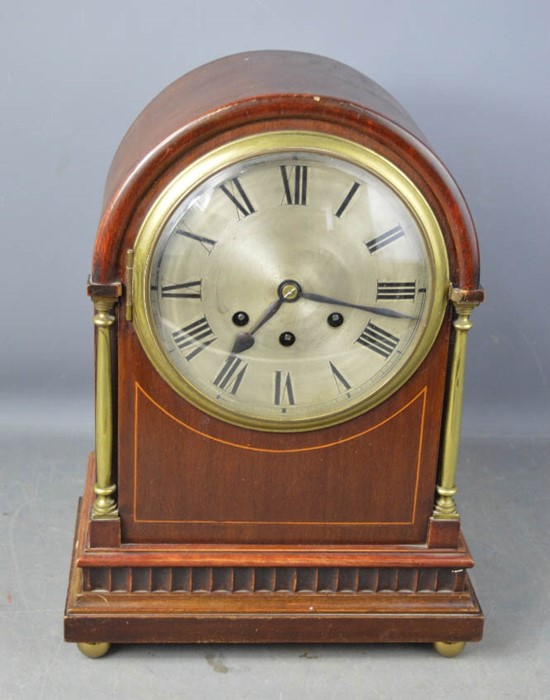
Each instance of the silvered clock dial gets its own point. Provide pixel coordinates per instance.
(289, 281)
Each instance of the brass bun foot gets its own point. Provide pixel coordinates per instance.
(449, 649)
(94, 650)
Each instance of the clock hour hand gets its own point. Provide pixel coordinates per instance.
(245, 340)
(381, 311)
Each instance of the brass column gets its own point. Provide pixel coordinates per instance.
(105, 505)
(445, 507)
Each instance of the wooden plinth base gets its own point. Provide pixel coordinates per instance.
(200, 594)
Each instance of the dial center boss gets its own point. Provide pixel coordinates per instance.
(289, 290)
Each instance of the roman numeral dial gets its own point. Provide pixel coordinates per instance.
(185, 290)
(231, 375)
(289, 290)
(207, 243)
(385, 239)
(194, 338)
(347, 199)
(295, 184)
(284, 390)
(394, 291)
(378, 340)
(235, 193)
(342, 384)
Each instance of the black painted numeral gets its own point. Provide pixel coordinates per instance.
(239, 198)
(295, 184)
(185, 290)
(196, 336)
(347, 199)
(395, 290)
(284, 392)
(385, 239)
(378, 340)
(342, 383)
(231, 374)
(207, 243)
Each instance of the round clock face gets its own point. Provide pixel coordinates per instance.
(289, 281)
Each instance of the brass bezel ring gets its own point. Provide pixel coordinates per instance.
(264, 144)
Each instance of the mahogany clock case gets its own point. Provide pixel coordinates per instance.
(223, 533)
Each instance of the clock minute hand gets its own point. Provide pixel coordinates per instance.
(245, 340)
(380, 310)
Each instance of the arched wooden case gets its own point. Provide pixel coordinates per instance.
(195, 530)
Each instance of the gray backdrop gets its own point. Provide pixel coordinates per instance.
(475, 75)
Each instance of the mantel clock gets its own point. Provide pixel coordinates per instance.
(282, 280)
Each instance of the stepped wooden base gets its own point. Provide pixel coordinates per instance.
(242, 594)
(156, 618)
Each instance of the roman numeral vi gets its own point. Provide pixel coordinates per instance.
(284, 392)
